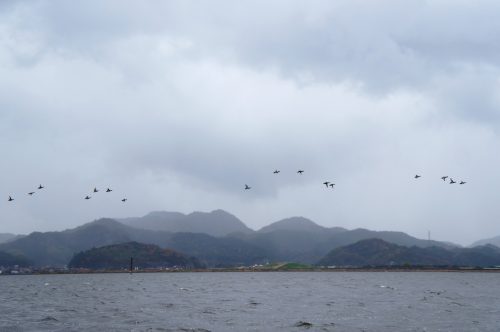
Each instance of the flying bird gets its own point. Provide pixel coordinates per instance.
(40, 187)
(11, 199)
(95, 190)
(276, 172)
(247, 187)
(124, 200)
(326, 183)
(463, 182)
(31, 193)
(300, 171)
(417, 176)
(451, 181)
(332, 184)
(444, 178)
(108, 190)
(87, 197)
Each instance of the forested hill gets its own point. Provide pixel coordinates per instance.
(117, 256)
(377, 252)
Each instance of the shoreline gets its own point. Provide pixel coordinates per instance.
(248, 270)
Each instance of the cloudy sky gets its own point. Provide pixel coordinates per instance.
(177, 105)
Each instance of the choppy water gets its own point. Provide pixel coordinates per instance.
(330, 301)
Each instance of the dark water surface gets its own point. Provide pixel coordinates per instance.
(286, 301)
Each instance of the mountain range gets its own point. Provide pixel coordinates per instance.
(57, 248)
(217, 239)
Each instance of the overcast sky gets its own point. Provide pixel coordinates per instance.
(177, 105)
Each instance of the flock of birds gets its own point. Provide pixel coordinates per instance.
(87, 197)
(444, 179)
(328, 184)
(107, 190)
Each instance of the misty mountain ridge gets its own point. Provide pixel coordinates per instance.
(218, 223)
(294, 239)
(6, 237)
(299, 224)
(310, 246)
(215, 223)
(57, 248)
(377, 252)
(494, 241)
(395, 237)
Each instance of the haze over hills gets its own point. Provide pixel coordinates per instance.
(291, 239)
(377, 252)
(57, 248)
(215, 223)
(310, 246)
(494, 241)
(294, 239)
(299, 224)
(5, 237)
(399, 238)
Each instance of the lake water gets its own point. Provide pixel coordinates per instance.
(266, 301)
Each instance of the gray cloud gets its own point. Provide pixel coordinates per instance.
(177, 105)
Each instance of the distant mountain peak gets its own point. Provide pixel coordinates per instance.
(221, 212)
(293, 224)
(215, 223)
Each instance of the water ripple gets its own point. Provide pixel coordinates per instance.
(344, 301)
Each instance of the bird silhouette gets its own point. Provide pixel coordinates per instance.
(95, 190)
(300, 171)
(326, 183)
(11, 199)
(417, 176)
(247, 187)
(276, 171)
(40, 187)
(31, 193)
(108, 190)
(463, 182)
(124, 200)
(444, 178)
(451, 181)
(87, 197)
(332, 184)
